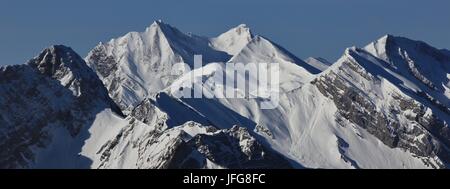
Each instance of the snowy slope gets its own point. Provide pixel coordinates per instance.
(316, 127)
(138, 65)
(319, 63)
(245, 110)
(372, 98)
(356, 114)
(426, 67)
(233, 40)
(156, 137)
(260, 49)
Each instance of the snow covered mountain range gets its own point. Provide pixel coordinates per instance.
(386, 105)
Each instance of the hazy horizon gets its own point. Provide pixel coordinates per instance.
(308, 28)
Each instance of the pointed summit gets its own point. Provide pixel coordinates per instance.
(242, 29)
(59, 60)
(163, 27)
(378, 47)
(160, 23)
(233, 40)
(411, 65)
(389, 46)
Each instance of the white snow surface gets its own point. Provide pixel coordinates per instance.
(64, 150)
(304, 125)
(319, 63)
(144, 59)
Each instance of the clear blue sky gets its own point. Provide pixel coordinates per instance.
(306, 28)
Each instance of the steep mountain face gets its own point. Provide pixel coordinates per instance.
(139, 65)
(426, 67)
(318, 63)
(47, 107)
(384, 96)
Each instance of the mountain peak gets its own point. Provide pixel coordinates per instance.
(242, 26)
(423, 69)
(387, 36)
(57, 50)
(390, 46)
(233, 40)
(159, 24)
(389, 41)
(57, 57)
(60, 50)
(242, 29)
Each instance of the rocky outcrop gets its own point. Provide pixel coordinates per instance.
(190, 145)
(404, 123)
(54, 89)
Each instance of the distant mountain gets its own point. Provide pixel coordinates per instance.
(382, 106)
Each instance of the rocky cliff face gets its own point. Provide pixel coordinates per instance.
(370, 97)
(56, 89)
(150, 141)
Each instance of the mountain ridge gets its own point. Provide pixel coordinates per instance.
(384, 105)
